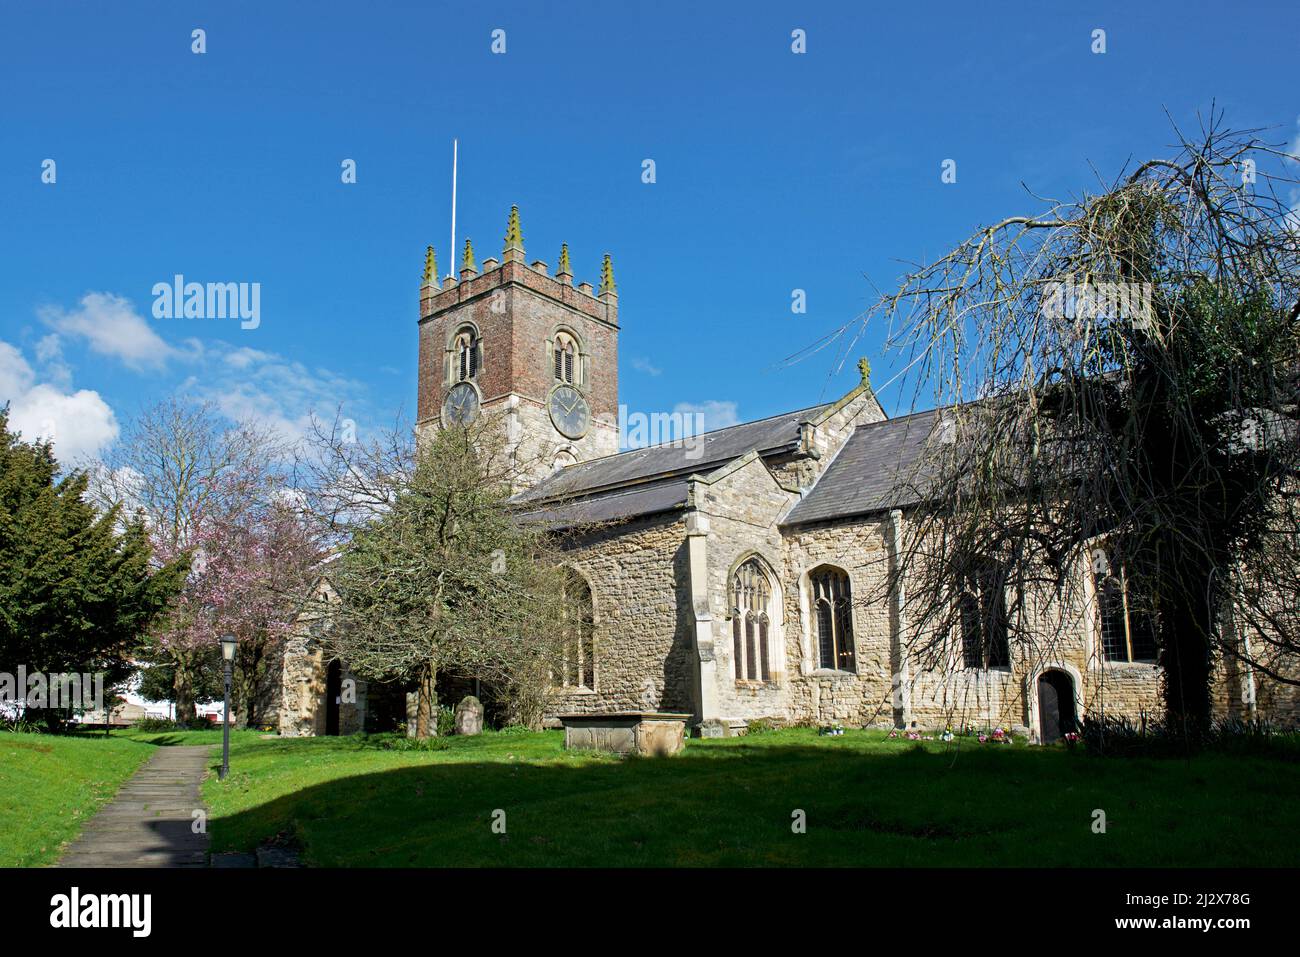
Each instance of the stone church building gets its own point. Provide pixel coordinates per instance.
(739, 575)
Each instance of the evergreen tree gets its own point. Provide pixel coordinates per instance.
(77, 594)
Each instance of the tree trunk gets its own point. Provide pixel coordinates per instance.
(250, 670)
(181, 690)
(426, 715)
(1187, 624)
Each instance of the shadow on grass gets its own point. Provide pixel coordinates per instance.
(741, 804)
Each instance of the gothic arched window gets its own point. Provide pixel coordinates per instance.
(566, 358)
(1125, 627)
(465, 356)
(982, 618)
(751, 618)
(833, 613)
(579, 635)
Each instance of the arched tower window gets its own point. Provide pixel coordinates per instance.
(751, 621)
(832, 600)
(579, 634)
(465, 356)
(566, 358)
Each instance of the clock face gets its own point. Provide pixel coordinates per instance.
(569, 412)
(461, 405)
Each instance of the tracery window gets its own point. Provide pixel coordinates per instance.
(832, 600)
(751, 617)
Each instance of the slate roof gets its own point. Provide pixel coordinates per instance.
(659, 462)
(874, 471)
(631, 502)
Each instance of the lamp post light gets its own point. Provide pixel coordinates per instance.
(228, 643)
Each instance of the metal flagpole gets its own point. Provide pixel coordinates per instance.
(452, 257)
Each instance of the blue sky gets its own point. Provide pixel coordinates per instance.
(774, 172)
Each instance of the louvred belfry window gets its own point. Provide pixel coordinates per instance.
(466, 357)
(751, 596)
(833, 614)
(565, 351)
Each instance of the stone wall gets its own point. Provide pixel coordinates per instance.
(641, 616)
(932, 689)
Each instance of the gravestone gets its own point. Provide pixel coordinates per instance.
(469, 716)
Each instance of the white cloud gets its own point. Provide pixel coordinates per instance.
(251, 385)
(245, 384)
(112, 327)
(244, 357)
(79, 423)
(717, 415)
(644, 365)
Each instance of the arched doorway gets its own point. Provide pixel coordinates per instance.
(1056, 712)
(333, 696)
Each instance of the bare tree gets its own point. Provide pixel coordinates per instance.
(1118, 377)
(185, 470)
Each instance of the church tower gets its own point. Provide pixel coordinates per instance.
(514, 339)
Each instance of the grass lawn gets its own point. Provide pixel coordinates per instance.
(52, 784)
(869, 801)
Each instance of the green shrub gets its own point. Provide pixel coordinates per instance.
(20, 725)
(156, 724)
(446, 720)
(167, 724)
(1125, 738)
(391, 741)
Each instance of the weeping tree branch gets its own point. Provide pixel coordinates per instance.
(1120, 387)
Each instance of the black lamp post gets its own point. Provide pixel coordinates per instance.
(228, 643)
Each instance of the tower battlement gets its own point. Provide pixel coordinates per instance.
(512, 270)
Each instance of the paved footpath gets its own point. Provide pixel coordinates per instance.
(151, 821)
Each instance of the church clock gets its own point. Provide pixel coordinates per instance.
(569, 412)
(461, 405)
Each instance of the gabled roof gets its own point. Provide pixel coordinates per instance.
(638, 500)
(876, 470)
(657, 463)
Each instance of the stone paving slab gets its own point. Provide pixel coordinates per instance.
(149, 823)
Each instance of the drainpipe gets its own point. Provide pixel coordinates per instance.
(902, 681)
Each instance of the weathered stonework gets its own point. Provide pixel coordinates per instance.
(648, 733)
(303, 706)
(641, 618)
